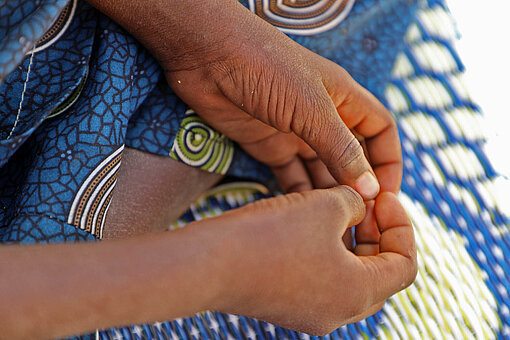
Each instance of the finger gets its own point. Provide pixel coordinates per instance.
(292, 176)
(368, 117)
(319, 174)
(334, 143)
(394, 268)
(305, 151)
(230, 120)
(276, 149)
(367, 233)
(386, 159)
(364, 113)
(363, 143)
(349, 203)
(348, 239)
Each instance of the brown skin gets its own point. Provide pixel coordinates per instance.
(281, 259)
(284, 104)
(54, 291)
(152, 192)
(302, 276)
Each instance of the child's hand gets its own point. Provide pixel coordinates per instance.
(283, 259)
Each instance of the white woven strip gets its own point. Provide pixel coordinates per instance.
(432, 56)
(449, 299)
(438, 23)
(423, 129)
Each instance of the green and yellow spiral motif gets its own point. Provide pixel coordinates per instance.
(198, 145)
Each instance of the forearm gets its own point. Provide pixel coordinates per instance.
(180, 32)
(52, 291)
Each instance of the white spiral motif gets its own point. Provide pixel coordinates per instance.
(302, 17)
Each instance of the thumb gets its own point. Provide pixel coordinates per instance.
(348, 203)
(319, 124)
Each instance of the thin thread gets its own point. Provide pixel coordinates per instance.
(22, 95)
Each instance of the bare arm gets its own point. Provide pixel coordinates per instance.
(281, 260)
(50, 291)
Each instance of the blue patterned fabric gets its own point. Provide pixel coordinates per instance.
(86, 88)
(22, 23)
(75, 89)
(367, 42)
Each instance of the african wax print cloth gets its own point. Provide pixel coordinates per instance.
(76, 88)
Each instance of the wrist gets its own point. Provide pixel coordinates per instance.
(201, 34)
(229, 257)
(218, 275)
(181, 34)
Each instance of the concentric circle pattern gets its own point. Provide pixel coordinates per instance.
(198, 145)
(302, 17)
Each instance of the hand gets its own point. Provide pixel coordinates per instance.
(283, 259)
(285, 105)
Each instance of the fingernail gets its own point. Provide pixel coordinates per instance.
(367, 185)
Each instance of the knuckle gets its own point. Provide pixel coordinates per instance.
(307, 120)
(347, 150)
(412, 273)
(354, 310)
(346, 76)
(346, 201)
(320, 330)
(338, 74)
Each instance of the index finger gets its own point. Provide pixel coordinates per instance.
(368, 117)
(395, 267)
(362, 112)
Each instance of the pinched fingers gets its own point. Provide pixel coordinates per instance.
(349, 203)
(362, 112)
(318, 123)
